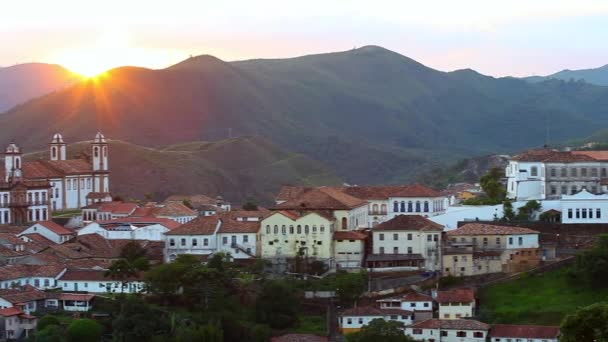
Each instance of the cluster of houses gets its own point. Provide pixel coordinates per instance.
(442, 316)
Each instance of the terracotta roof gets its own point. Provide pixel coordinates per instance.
(296, 214)
(260, 213)
(75, 296)
(323, 198)
(199, 226)
(10, 238)
(173, 209)
(299, 338)
(349, 235)
(597, 155)
(489, 229)
(409, 222)
(26, 296)
(233, 226)
(38, 241)
(8, 312)
(456, 296)
(142, 212)
(55, 228)
(12, 229)
(416, 297)
(546, 155)
(90, 275)
(38, 169)
(451, 324)
(363, 311)
(10, 272)
(288, 193)
(524, 331)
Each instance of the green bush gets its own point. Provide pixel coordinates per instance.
(84, 330)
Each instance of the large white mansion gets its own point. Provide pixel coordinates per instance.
(29, 191)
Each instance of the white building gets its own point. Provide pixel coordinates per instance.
(51, 231)
(584, 207)
(234, 233)
(349, 248)
(456, 304)
(549, 174)
(95, 281)
(420, 304)
(42, 277)
(448, 330)
(352, 320)
(131, 228)
(413, 236)
(527, 333)
(15, 324)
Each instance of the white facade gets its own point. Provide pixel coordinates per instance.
(447, 335)
(238, 245)
(525, 180)
(584, 207)
(518, 241)
(349, 252)
(456, 310)
(425, 243)
(101, 286)
(58, 235)
(151, 232)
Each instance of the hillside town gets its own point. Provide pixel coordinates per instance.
(62, 233)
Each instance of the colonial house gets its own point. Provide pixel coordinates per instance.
(406, 242)
(528, 333)
(16, 324)
(384, 202)
(419, 303)
(51, 231)
(584, 207)
(197, 237)
(131, 228)
(27, 298)
(204, 205)
(106, 211)
(456, 303)
(465, 261)
(73, 302)
(518, 247)
(238, 238)
(349, 248)
(448, 330)
(175, 211)
(352, 320)
(549, 174)
(96, 281)
(42, 277)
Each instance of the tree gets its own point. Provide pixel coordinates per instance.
(210, 332)
(277, 305)
(492, 185)
(586, 324)
(508, 213)
(591, 266)
(527, 211)
(46, 321)
(350, 286)
(250, 205)
(50, 333)
(380, 330)
(187, 203)
(83, 330)
(136, 320)
(167, 279)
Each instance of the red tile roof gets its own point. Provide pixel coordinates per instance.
(450, 324)
(546, 155)
(456, 296)
(524, 331)
(173, 209)
(55, 228)
(349, 235)
(416, 297)
(75, 296)
(205, 225)
(233, 226)
(409, 222)
(324, 198)
(489, 229)
(363, 311)
(597, 155)
(10, 272)
(364, 192)
(26, 296)
(8, 312)
(296, 214)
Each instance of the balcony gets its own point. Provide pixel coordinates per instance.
(376, 213)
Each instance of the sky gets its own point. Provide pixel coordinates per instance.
(499, 38)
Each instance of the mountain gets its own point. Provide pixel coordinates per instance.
(23, 82)
(597, 76)
(370, 115)
(235, 168)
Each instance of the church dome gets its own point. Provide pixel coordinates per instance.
(13, 148)
(57, 138)
(100, 138)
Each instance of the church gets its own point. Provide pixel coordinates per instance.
(30, 191)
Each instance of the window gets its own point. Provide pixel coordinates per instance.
(402, 206)
(381, 236)
(410, 206)
(564, 190)
(478, 334)
(553, 190)
(598, 213)
(569, 213)
(268, 229)
(603, 172)
(275, 229)
(291, 229)
(510, 241)
(593, 189)
(444, 333)
(183, 242)
(395, 236)
(573, 190)
(593, 172)
(322, 228)
(461, 334)
(246, 237)
(426, 305)
(381, 250)
(395, 250)
(283, 229)
(584, 213)
(349, 321)
(409, 250)
(417, 206)
(564, 172)
(46, 282)
(306, 229)
(429, 238)
(485, 241)
(224, 240)
(344, 224)
(590, 213)
(534, 171)
(395, 206)
(360, 321)
(171, 242)
(426, 206)
(299, 229)
(417, 331)
(553, 172)
(205, 242)
(455, 258)
(520, 240)
(573, 172)
(498, 241)
(578, 213)
(584, 172)
(409, 236)
(194, 242)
